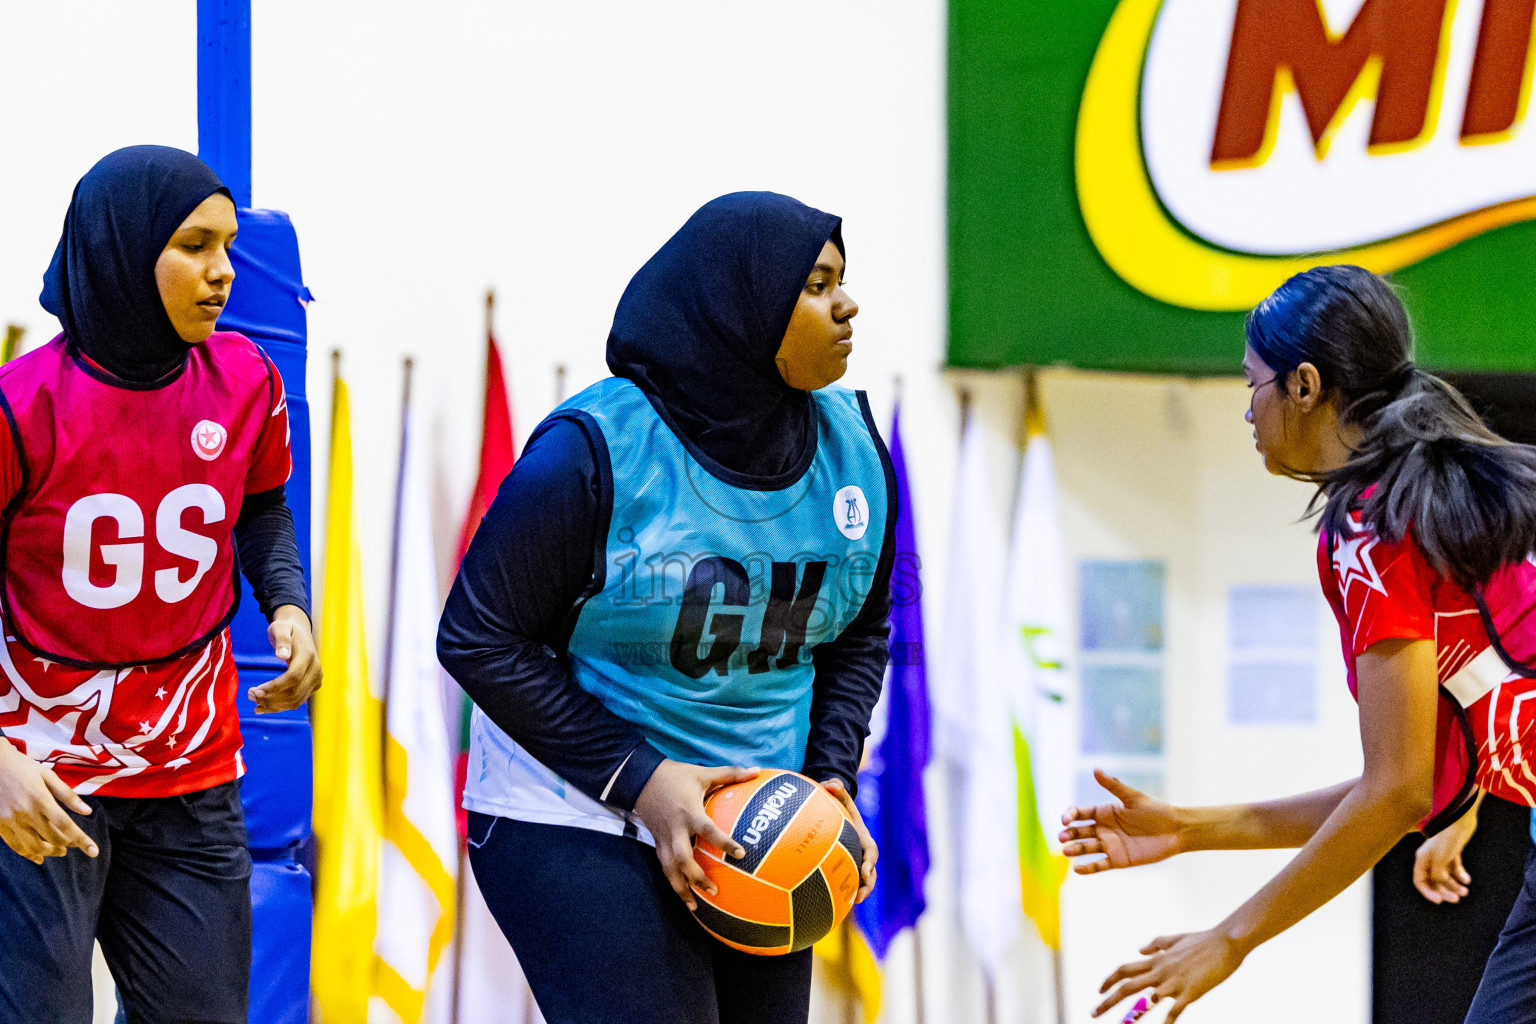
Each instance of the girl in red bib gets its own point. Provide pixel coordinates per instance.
(142, 459)
(1427, 556)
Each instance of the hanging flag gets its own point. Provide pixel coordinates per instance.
(496, 458)
(489, 985)
(847, 964)
(348, 809)
(1044, 704)
(496, 455)
(12, 343)
(420, 852)
(891, 780)
(973, 716)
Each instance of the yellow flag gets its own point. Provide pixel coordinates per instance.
(850, 966)
(1041, 871)
(349, 802)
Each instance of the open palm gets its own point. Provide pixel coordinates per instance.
(1138, 830)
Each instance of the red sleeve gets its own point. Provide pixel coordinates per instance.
(1385, 590)
(272, 463)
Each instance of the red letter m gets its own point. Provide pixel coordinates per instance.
(1399, 39)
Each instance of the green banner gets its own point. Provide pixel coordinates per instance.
(1127, 178)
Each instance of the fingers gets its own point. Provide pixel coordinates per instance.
(675, 877)
(706, 829)
(1440, 881)
(59, 829)
(289, 690)
(691, 874)
(1091, 867)
(63, 794)
(1420, 871)
(52, 824)
(1160, 943)
(269, 695)
(867, 887)
(1125, 794)
(1126, 972)
(1122, 992)
(726, 775)
(1173, 1013)
(280, 636)
(840, 793)
(24, 842)
(1082, 848)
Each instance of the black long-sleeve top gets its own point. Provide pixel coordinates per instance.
(268, 549)
(513, 607)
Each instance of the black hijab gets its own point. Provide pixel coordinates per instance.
(101, 283)
(699, 325)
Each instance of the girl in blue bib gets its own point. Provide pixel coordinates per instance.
(685, 579)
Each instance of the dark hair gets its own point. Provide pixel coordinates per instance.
(1468, 495)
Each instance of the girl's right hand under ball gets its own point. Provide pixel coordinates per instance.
(672, 807)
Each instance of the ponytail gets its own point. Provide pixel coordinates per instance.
(1467, 495)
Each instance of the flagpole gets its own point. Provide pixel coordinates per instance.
(921, 1016)
(1061, 987)
(394, 564)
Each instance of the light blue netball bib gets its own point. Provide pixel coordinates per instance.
(713, 596)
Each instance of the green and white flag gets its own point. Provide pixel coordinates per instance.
(974, 733)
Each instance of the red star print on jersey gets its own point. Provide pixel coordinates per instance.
(1352, 562)
(115, 732)
(1402, 597)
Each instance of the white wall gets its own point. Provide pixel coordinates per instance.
(427, 152)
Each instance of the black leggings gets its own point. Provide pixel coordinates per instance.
(604, 940)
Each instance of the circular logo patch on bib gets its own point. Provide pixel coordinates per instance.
(850, 511)
(208, 440)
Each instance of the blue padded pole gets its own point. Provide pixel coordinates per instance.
(224, 92)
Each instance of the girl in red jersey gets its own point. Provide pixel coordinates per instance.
(1428, 529)
(143, 458)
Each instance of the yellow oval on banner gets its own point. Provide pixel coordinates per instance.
(1157, 256)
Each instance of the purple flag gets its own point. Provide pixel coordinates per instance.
(891, 783)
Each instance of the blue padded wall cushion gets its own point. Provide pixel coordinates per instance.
(266, 304)
(281, 909)
(278, 788)
(269, 295)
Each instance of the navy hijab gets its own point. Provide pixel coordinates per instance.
(101, 283)
(699, 325)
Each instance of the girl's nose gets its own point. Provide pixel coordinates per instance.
(1248, 416)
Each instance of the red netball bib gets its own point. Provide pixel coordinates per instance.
(118, 547)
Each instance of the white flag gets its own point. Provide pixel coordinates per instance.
(1034, 623)
(417, 888)
(974, 734)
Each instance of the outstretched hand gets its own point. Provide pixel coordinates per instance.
(1138, 830)
(1180, 968)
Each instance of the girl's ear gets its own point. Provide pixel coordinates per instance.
(1305, 387)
